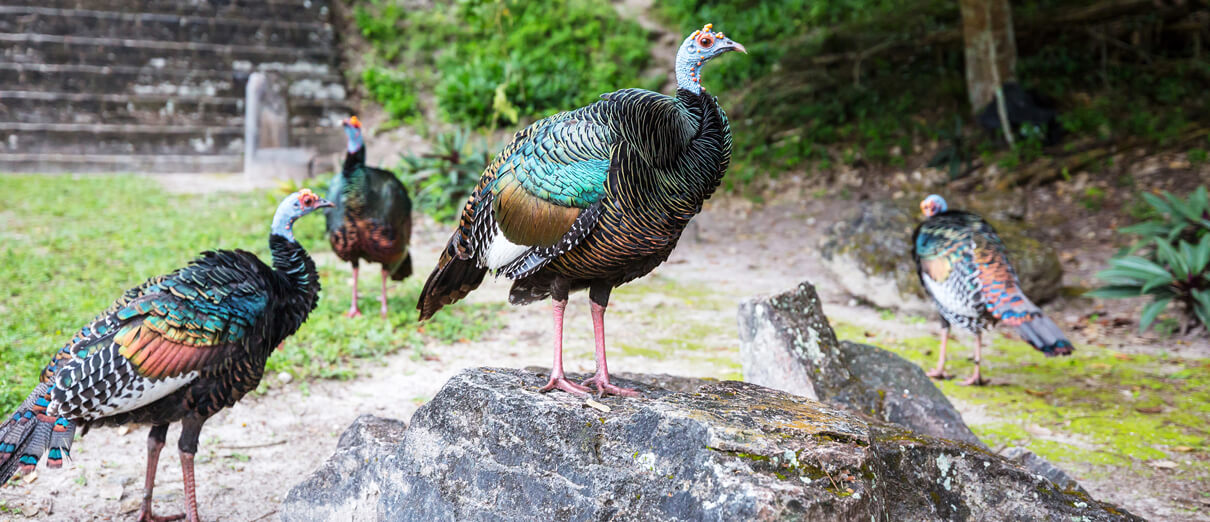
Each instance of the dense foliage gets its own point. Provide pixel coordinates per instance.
(494, 62)
(1170, 262)
(443, 179)
(862, 82)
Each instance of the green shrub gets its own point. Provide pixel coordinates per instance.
(543, 57)
(392, 90)
(1171, 261)
(441, 181)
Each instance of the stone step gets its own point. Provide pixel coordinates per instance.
(149, 80)
(286, 10)
(140, 139)
(116, 163)
(59, 107)
(166, 27)
(84, 50)
(103, 138)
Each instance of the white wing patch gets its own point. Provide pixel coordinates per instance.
(502, 252)
(142, 392)
(105, 384)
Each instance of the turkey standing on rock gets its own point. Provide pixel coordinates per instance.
(372, 219)
(179, 347)
(591, 198)
(964, 267)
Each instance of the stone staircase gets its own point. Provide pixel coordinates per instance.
(158, 85)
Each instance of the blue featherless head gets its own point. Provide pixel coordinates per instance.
(353, 131)
(697, 49)
(296, 205)
(933, 205)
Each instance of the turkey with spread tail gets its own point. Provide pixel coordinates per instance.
(179, 347)
(590, 199)
(372, 219)
(964, 267)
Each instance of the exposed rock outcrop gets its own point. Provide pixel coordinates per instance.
(786, 343)
(490, 447)
(869, 252)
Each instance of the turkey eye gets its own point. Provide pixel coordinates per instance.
(705, 41)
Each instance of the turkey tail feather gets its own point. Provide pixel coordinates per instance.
(1043, 334)
(450, 281)
(29, 432)
(404, 269)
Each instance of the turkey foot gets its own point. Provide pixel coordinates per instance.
(353, 313)
(605, 388)
(974, 380)
(938, 373)
(561, 382)
(146, 516)
(155, 443)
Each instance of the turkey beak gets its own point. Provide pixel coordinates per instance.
(739, 47)
(322, 203)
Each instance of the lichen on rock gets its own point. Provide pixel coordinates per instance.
(489, 446)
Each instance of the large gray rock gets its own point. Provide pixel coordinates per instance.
(869, 253)
(786, 343)
(1031, 461)
(338, 490)
(490, 447)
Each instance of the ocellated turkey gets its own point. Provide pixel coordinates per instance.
(590, 199)
(179, 347)
(372, 219)
(964, 267)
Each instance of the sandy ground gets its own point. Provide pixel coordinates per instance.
(253, 453)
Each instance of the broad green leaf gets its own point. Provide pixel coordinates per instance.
(1170, 257)
(1121, 276)
(1140, 264)
(1115, 292)
(1201, 306)
(1201, 256)
(1151, 311)
(1155, 283)
(1157, 203)
(1146, 228)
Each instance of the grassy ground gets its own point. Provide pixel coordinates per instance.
(1099, 409)
(69, 246)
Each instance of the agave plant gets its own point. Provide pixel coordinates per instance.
(442, 180)
(1171, 262)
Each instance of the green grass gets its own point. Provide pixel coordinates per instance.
(69, 246)
(1097, 407)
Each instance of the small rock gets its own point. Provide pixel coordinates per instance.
(786, 343)
(284, 377)
(1163, 464)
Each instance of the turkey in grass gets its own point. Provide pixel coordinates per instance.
(964, 267)
(372, 219)
(590, 199)
(179, 347)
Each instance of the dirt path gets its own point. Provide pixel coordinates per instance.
(680, 320)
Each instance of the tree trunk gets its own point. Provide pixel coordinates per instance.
(991, 50)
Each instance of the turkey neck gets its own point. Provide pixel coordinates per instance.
(686, 141)
(297, 285)
(354, 176)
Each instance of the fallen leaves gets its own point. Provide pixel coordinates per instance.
(596, 405)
